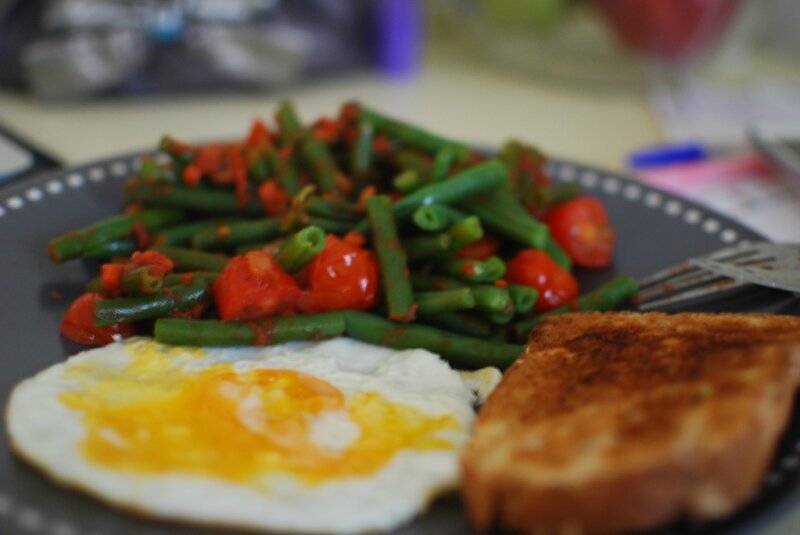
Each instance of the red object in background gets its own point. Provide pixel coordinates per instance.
(670, 30)
(534, 268)
(341, 276)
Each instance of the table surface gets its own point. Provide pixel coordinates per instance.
(449, 95)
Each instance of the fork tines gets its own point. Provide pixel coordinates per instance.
(685, 282)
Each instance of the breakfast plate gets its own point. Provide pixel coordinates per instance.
(654, 229)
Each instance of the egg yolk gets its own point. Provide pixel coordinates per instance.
(153, 416)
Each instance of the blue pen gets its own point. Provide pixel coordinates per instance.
(667, 154)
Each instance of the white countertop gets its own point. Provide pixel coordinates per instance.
(452, 97)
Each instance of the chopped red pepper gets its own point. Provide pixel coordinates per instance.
(111, 277)
(191, 175)
(273, 198)
(141, 235)
(259, 136)
(161, 263)
(327, 130)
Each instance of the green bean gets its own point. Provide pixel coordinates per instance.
(200, 200)
(237, 232)
(180, 153)
(524, 297)
(254, 333)
(289, 127)
(430, 282)
(181, 235)
(500, 318)
(461, 351)
(191, 260)
(445, 301)
(501, 212)
(425, 247)
(557, 254)
(259, 168)
(442, 162)
(168, 300)
(435, 217)
(487, 297)
(470, 270)
(247, 247)
(468, 183)
(320, 161)
(414, 161)
(285, 172)
(407, 181)
(466, 231)
(300, 248)
(173, 279)
(546, 196)
(140, 281)
(392, 259)
(491, 299)
(361, 151)
(332, 226)
(74, 243)
(342, 210)
(412, 136)
(111, 249)
(608, 296)
(457, 322)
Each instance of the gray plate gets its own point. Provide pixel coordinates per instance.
(654, 229)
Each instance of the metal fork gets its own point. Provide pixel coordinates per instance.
(702, 278)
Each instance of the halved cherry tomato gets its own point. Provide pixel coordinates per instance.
(536, 269)
(254, 286)
(111, 277)
(79, 326)
(581, 227)
(481, 249)
(341, 276)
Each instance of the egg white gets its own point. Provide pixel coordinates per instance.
(48, 434)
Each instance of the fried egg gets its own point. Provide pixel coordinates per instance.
(336, 436)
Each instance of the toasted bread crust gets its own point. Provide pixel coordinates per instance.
(618, 422)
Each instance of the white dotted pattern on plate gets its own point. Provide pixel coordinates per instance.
(33, 520)
(634, 192)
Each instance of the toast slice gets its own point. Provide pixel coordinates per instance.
(618, 422)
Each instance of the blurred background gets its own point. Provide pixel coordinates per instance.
(672, 91)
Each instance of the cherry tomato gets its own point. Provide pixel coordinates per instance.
(581, 227)
(78, 324)
(254, 286)
(341, 276)
(481, 249)
(536, 269)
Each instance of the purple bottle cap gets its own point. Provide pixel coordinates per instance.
(399, 36)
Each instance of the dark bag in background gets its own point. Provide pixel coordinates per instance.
(72, 49)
